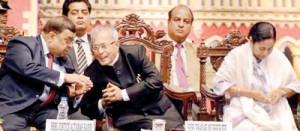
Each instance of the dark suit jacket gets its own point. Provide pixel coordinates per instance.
(25, 75)
(146, 97)
(72, 55)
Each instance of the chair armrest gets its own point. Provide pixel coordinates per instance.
(187, 98)
(176, 93)
(209, 94)
(218, 100)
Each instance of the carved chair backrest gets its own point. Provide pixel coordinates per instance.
(216, 55)
(6, 33)
(218, 52)
(133, 30)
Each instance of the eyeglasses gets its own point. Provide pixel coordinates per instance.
(103, 46)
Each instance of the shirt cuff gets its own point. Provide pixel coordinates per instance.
(100, 107)
(77, 101)
(125, 95)
(61, 79)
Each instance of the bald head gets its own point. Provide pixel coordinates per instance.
(180, 23)
(181, 7)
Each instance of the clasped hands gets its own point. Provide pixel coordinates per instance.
(80, 84)
(111, 94)
(271, 98)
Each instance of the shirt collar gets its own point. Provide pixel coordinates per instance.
(84, 38)
(115, 60)
(44, 44)
(183, 43)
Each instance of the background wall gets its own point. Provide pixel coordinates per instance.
(213, 18)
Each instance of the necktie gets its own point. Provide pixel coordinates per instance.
(52, 92)
(180, 69)
(81, 58)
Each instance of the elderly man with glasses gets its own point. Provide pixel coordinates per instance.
(127, 85)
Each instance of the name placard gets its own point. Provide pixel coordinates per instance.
(70, 125)
(207, 126)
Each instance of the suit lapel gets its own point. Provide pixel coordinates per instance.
(72, 58)
(193, 65)
(39, 43)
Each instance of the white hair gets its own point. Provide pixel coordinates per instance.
(110, 29)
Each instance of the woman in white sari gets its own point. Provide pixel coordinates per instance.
(258, 78)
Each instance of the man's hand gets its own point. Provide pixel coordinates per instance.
(76, 90)
(81, 89)
(78, 79)
(111, 94)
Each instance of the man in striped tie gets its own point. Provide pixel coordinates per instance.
(78, 11)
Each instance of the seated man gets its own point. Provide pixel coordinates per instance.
(126, 84)
(185, 71)
(33, 76)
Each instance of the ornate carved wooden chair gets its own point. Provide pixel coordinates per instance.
(133, 30)
(6, 34)
(216, 55)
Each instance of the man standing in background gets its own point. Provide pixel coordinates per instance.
(3, 12)
(78, 11)
(3, 17)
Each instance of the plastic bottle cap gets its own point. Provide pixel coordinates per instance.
(64, 98)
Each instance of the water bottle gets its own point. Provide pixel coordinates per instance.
(63, 108)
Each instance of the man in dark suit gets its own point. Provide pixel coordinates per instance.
(80, 55)
(34, 76)
(126, 84)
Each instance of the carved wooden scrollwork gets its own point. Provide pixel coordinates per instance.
(160, 34)
(232, 40)
(7, 33)
(133, 30)
(132, 25)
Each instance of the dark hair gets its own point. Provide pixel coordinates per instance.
(262, 31)
(59, 24)
(66, 4)
(170, 12)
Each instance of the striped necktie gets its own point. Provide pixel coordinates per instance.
(81, 58)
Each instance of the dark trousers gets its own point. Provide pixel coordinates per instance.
(30, 116)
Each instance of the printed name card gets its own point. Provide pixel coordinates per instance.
(207, 126)
(70, 125)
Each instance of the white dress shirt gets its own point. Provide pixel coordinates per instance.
(173, 60)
